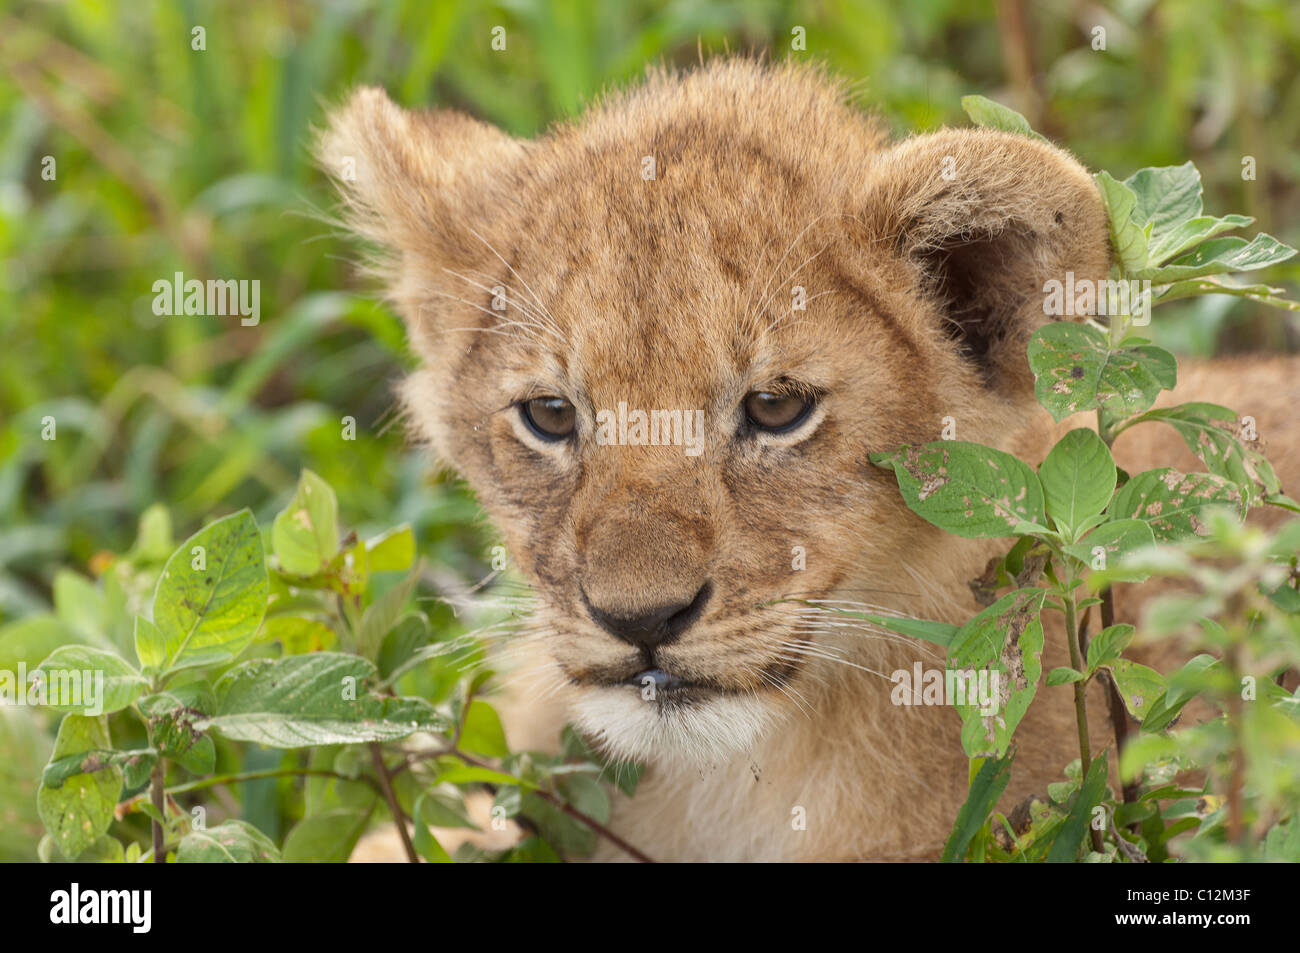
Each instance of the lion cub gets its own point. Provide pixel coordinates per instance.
(734, 261)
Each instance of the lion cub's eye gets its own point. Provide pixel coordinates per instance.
(776, 412)
(551, 418)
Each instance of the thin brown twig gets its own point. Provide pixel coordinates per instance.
(386, 783)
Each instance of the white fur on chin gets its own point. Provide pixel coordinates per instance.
(707, 730)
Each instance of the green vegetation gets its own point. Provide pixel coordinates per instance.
(128, 155)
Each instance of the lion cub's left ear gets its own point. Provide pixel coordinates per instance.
(989, 218)
(425, 186)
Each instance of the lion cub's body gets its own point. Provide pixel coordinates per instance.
(653, 254)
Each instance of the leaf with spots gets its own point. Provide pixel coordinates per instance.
(1139, 685)
(305, 535)
(171, 716)
(1101, 549)
(135, 766)
(1229, 450)
(80, 809)
(82, 679)
(1170, 501)
(315, 699)
(1075, 369)
(1006, 642)
(967, 489)
(212, 594)
(233, 842)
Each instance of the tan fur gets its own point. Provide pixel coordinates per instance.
(676, 292)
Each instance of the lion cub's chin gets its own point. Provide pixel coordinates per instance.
(700, 729)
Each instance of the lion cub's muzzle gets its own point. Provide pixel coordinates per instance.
(647, 630)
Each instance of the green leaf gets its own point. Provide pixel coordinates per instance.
(1108, 644)
(135, 766)
(444, 806)
(1064, 675)
(1075, 369)
(1065, 847)
(940, 633)
(1128, 238)
(1006, 638)
(1213, 433)
(989, 783)
(150, 646)
(171, 716)
(424, 842)
(1100, 548)
(627, 775)
(1170, 501)
(508, 800)
(533, 850)
(78, 811)
(315, 699)
(232, 842)
(305, 535)
(991, 115)
(562, 831)
(1139, 685)
(481, 732)
(394, 551)
(1221, 256)
(1183, 686)
(967, 489)
(153, 540)
(470, 774)
(1218, 284)
(1185, 234)
(382, 614)
(1165, 197)
(1078, 479)
(328, 837)
(403, 640)
(89, 681)
(584, 793)
(80, 605)
(209, 605)
(297, 635)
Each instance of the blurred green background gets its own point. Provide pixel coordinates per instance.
(168, 158)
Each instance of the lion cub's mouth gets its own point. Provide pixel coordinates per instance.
(653, 683)
(656, 684)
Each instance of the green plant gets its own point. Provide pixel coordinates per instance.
(1081, 524)
(308, 656)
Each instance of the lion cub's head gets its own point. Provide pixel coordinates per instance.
(660, 342)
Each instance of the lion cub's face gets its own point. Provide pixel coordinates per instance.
(660, 345)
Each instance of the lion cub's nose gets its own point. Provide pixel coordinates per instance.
(646, 630)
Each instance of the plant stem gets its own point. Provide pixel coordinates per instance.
(158, 792)
(1119, 721)
(600, 829)
(386, 783)
(1237, 778)
(1080, 699)
(218, 779)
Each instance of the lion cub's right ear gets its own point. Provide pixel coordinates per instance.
(419, 184)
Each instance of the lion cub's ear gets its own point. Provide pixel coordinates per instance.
(418, 184)
(988, 218)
